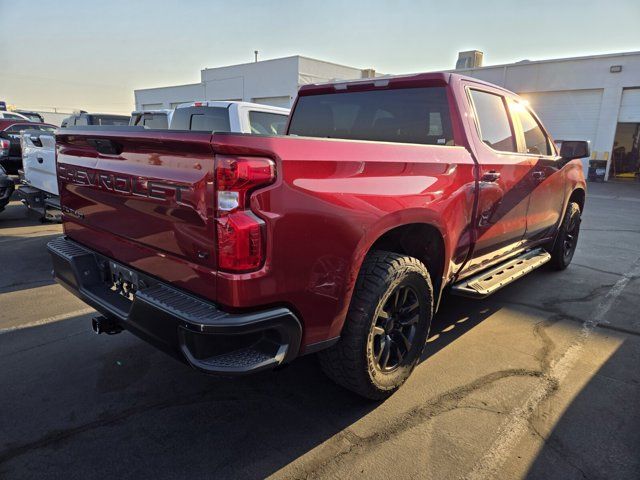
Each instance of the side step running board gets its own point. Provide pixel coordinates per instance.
(489, 281)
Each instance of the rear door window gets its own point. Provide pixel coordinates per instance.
(154, 120)
(34, 117)
(266, 123)
(493, 121)
(536, 141)
(203, 119)
(403, 115)
(16, 129)
(109, 120)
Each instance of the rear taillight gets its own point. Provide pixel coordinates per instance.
(4, 148)
(241, 234)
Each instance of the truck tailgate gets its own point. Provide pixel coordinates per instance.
(38, 161)
(143, 198)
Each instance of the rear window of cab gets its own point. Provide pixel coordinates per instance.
(202, 119)
(402, 115)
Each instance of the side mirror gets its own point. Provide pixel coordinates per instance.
(571, 149)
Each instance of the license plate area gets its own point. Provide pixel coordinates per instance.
(122, 280)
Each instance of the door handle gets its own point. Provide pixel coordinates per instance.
(539, 175)
(491, 176)
(40, 159)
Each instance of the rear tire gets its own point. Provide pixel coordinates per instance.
(386, 328)
(564, 247)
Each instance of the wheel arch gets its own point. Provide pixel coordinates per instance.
(579, 196)
(402, 239)
(423, 241)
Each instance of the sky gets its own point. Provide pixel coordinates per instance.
(91, 55)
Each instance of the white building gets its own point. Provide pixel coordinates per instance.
(594, 98)
(272, 82)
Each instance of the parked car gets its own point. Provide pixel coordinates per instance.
(13, 116)
(83, 118)
(10, 150)
(238, 253)
(31, 116)
(39, 186)
(230, 116)
(158, 119)
(7, 187)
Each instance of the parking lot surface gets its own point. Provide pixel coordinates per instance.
(540, 380)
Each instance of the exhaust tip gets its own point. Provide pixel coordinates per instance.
(95, 325)
(105, 325)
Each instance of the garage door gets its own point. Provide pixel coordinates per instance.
(568, 115)
(630, 106)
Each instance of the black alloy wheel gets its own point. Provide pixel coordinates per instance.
(571, 238)
(566, 241)
(394, 330)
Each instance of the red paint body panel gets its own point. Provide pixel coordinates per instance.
(151, 204)
(332, 201)
(130, 207)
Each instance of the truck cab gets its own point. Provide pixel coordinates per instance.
(230, 116)
(82, 118)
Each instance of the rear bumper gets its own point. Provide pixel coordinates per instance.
(31, 197)
(39, 202)
(187, 327)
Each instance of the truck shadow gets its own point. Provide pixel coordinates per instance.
(457, 316)
(115, 404)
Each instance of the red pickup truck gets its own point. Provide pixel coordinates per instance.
(238, 253)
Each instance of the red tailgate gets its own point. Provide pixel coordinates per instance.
(143, 198)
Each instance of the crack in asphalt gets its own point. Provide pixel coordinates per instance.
(347, 442)
(593, 293)
(608, 272)
(572, 318)
(519, 419)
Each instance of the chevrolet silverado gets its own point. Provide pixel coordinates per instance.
(237, 253)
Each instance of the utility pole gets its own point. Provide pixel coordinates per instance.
(255, 53)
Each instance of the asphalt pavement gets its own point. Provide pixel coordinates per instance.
(541, 380)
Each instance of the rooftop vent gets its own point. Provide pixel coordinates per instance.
(368, 73)
(469, 59)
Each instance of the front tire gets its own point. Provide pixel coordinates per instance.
(565, 245)
(386, 327)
